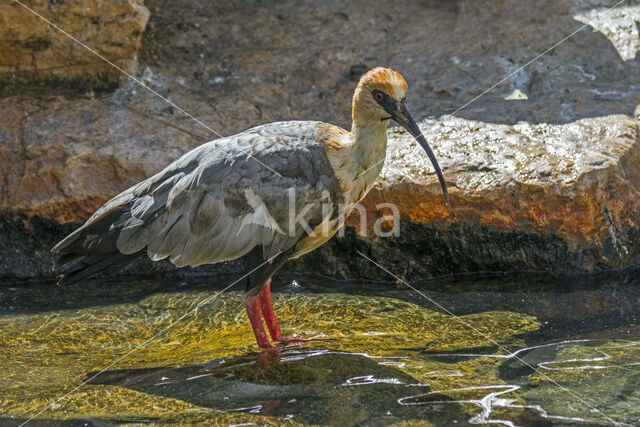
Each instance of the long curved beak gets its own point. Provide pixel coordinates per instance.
(404, 119)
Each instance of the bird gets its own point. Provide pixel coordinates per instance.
(267, 195)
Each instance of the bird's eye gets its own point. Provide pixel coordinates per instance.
(378, 96)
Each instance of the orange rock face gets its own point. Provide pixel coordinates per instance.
(580, 180)
(573, 187)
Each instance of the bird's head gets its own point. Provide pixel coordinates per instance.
(381, 96)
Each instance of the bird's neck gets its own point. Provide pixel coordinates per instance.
(370, 143)
(356, 157)
(368, 132)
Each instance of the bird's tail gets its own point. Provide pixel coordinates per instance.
(91, 249)
(73, 267)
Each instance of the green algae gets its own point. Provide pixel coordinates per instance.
(46, 355)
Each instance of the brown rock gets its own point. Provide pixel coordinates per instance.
(525, 175)
(32, 51)
(66, 157)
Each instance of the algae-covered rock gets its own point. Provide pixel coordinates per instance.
(161, 352)
(188, 357)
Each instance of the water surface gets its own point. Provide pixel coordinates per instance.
(509, 350)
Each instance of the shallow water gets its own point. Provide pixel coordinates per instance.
(510, 350)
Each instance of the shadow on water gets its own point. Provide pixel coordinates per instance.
(311, 386)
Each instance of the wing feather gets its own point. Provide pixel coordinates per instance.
(204, 214)
(218, 202)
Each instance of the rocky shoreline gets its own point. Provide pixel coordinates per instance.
(573, 207)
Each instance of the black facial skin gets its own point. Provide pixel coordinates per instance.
(398, 111)
(388, 103)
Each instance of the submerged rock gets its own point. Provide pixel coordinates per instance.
(33, 52)
(282, 386)
(189, 358)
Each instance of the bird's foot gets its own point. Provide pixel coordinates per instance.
(285, 342)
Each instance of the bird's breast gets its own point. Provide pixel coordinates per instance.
(320, 235)
(356, 159)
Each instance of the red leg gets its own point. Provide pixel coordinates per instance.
(262, 303)
(267, 312)
(272, 322)
(252, 305)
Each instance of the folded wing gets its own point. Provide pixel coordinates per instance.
(216, 203)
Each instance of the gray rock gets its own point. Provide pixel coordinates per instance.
(561, 197)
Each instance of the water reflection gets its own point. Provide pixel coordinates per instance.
(310, 386)
(517, 369)
(306, 385)
(490, 399)
(523, 350)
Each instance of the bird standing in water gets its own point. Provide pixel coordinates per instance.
(269, 194)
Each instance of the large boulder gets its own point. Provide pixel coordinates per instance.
(563, 197)
(33, 51)
(558, 197)
(65, 158)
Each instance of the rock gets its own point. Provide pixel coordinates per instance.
(32, 51)
(62, 159)
(207, 362)
(70, 156)
(545, 179)
(287, 385)
(573, 188)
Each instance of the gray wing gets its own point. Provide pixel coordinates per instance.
(221, 200)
